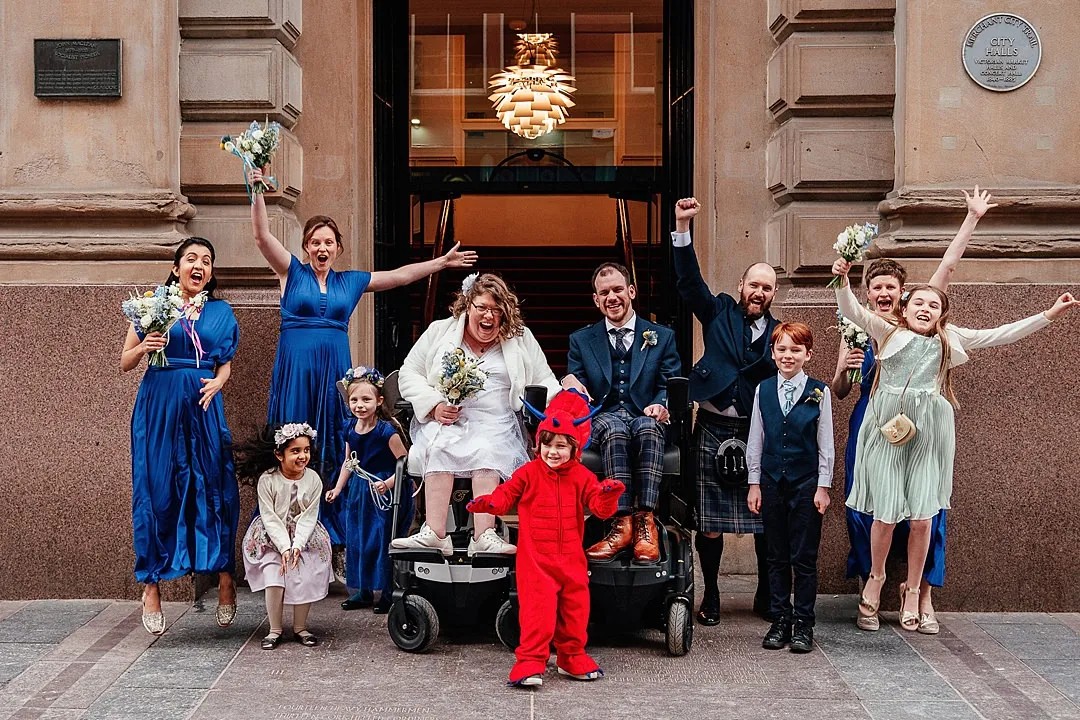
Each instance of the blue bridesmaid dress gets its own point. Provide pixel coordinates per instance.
(858, 563)
(312, 355)
(368, 528)
(185, 504)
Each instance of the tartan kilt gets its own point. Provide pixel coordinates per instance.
(720, 509)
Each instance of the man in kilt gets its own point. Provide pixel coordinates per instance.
(737, 357)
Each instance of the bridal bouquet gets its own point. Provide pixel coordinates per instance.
(461, 377)
(256, 147)
(852, 244)
(856, 339)
(158, 310)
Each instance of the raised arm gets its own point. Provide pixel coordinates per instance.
(271, 248)
(689, 282)
(977, 204)
(1010, 333)
(850, 307)
(387, 279)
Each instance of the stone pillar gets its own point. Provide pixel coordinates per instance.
(90, 206)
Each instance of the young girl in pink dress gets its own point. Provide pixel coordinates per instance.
(286, 548)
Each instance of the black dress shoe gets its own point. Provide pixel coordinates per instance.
(270, 642)
(778, 636)
(802, 638)
(306, 639)
(381, 607)
(709, 612)
(357, 601)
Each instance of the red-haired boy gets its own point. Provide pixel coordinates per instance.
(789, 456)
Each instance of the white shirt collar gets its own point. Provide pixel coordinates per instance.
(629, 324)
(799, 380)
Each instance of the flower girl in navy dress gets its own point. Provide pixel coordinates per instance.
(286, 549)
(373, 445)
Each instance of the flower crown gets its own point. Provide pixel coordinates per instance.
(362, 373)
(291, 431)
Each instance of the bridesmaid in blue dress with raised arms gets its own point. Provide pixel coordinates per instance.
(884, 280)
(313, 349)
(185, 504)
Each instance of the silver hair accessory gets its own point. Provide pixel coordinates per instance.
(467, 283)
(291, 431)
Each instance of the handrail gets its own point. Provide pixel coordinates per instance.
(436, 252)
(622, 211)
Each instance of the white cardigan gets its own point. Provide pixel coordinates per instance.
(419, 375)
(960, 339)
(275, 491)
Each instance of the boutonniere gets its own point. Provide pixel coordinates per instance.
(648, 339)
(815, 397)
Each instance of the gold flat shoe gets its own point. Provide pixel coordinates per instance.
(225, 615)
(928, 624)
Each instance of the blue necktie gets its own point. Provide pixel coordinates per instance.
(620, 341)
(789, 395)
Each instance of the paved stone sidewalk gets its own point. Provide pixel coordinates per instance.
(92, 659)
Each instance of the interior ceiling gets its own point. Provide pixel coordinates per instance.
(431, 15)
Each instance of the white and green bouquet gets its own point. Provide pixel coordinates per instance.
(461, 377)
(856, 339)
(158, 310)
(852, 244)
(256, 147)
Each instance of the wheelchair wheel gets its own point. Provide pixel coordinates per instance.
(413, 624)
(680, 628)
(507, 626)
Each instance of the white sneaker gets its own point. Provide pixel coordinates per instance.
(490, 542)
(425, 539)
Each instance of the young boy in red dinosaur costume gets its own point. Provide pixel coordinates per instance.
(552, 492)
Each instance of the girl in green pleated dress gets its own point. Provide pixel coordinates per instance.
(917, 348)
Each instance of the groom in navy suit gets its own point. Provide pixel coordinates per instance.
(624, 362)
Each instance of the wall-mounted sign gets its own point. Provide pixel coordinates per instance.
(77, 68)
(1001, 52)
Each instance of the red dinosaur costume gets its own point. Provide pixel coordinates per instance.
(553, 581)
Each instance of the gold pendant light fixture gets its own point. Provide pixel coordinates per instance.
(532, 97)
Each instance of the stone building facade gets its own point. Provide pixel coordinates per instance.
(808, 113)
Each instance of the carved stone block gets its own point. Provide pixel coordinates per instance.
(831, 159)
(210, 175)
(239, 80)
(277, 19)
(788, 16)
(832, 74)
(229, 228)
(800, 236)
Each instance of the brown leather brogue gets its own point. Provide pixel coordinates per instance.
(620, 537)
(646, 550)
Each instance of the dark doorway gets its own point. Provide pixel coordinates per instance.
(432, 65)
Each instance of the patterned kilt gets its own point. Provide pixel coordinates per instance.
(720, 509)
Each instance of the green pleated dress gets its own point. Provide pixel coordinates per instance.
(912, 481)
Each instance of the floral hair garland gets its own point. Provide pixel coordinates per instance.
(362, 373)
(467, 283)
(291, 431)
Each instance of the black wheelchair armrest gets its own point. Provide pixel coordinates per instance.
(678, 393)
(536, 396)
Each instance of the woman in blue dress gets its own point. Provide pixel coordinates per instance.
(184, 499)
(313, 349)
(884, 280)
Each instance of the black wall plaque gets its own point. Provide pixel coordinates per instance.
(76, 68)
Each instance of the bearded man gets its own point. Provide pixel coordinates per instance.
(737, 357)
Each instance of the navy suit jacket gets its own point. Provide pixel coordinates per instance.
(650, 367)
(724, 332)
